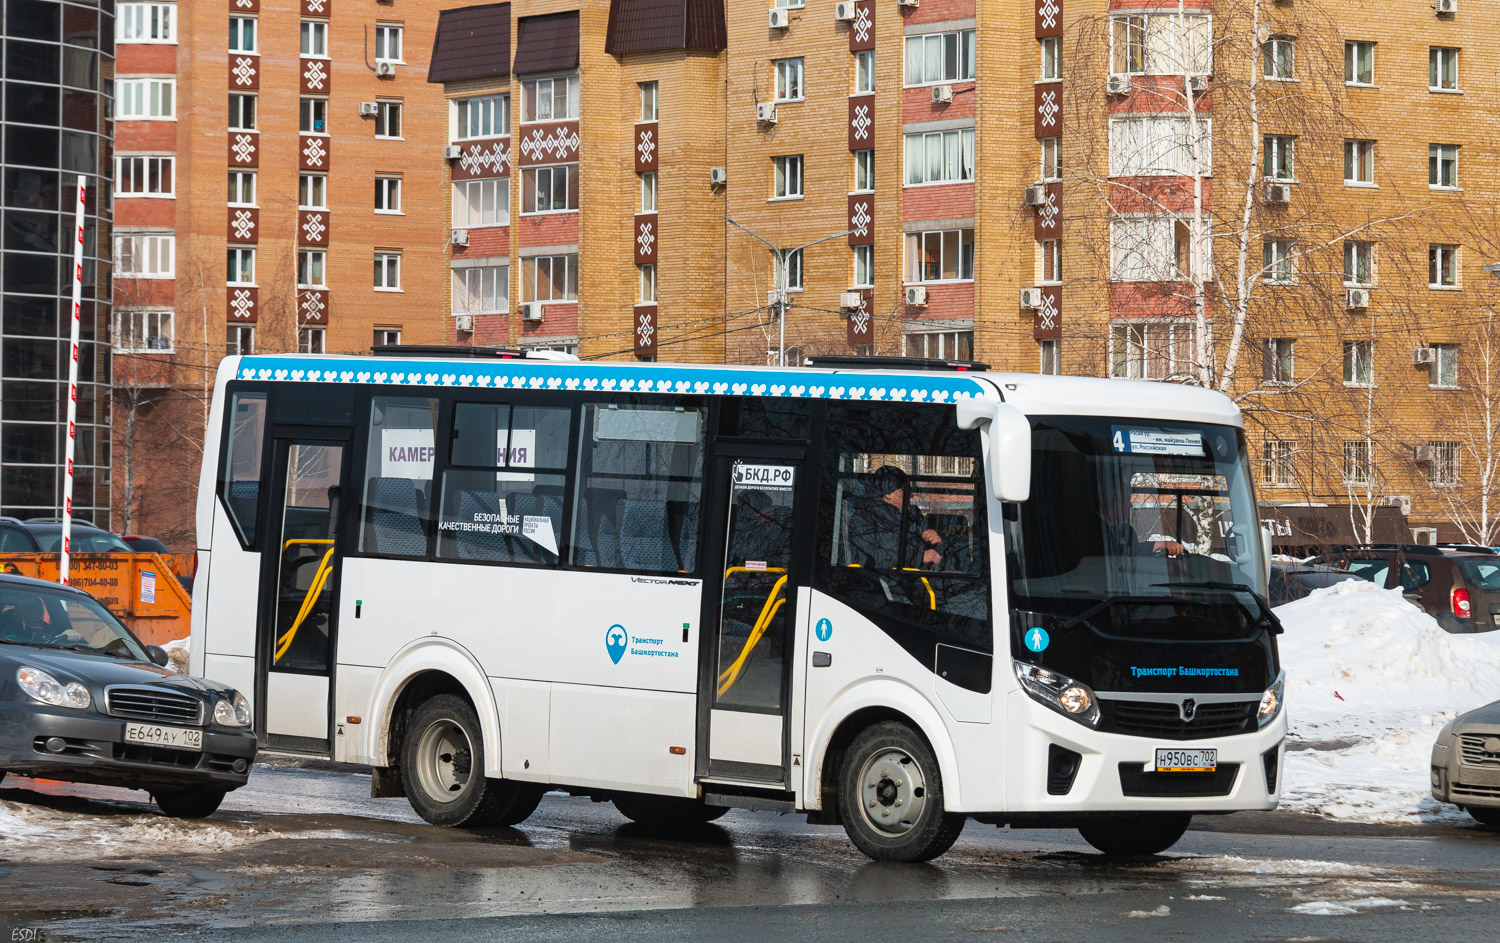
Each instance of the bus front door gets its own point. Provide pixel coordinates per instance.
(749, 681)
(294, 652)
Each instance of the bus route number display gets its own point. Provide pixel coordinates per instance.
(764, 477)
(1154, 442)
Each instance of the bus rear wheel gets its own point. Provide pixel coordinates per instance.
(442, 770)
(666, 812)
(891, 796)
(1150, 833)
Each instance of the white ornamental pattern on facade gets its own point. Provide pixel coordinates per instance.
(861, 122)
(313, 227)
(862, 24)
(860, 219)
(646, 146)
(315, 74)
(315, 6)
(645, 239)
(312, 306)
(1048, 108)
(1049, 10)
(314, 151)
(495, 159)
(1048, 213)
(558, 145)
(244, 147)
(1047, 314)
(645, 330)
(241, 304)
(859, 318)
(243, 225)
(244, 71)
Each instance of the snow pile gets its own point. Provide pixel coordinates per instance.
(177, 652)
(1370, 681)
(35, 833)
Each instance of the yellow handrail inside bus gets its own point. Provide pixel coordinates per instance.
(741, 569)
(294, 541)
(319, 578)
(767, 612)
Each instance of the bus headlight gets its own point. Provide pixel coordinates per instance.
(1059, 692)
(1270, 702)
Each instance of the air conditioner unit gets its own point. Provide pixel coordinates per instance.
(453, 152)
(1445, 6)
(1422, 454)
(942, 94)
(1402, 501)
(368, 109)
(1423, 356)
(531, 311)
(1278, 193)
(1031, 298)
(385, 69)
(780, 19)
(908, 3)
(843, 12)
(1117, 84)
(851, 299)
(463, 322)
(1198, 83)
(916, 295)
(717, 176)
(765, 112)
(1036, 194)
(1357, 298)
(460, 237)
(1424, 536)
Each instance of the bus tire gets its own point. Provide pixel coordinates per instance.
(1150, 833)
(442, 770)
(193, 803)
(666, 812)
(1485, 816)
(891, 796)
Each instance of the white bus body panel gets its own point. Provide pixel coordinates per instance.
(297, 704)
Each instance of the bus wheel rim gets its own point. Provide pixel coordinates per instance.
(444, 760)
(892, 791)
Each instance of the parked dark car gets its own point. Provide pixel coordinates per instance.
(1461, 590)
(139, 544)
(1293, 581)
(15, 537)
(86, 538)
(82, 700)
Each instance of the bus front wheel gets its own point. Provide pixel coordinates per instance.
(442, 770)
(891, 796)
(1150, 833)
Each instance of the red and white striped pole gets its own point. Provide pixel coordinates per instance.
(67, 515)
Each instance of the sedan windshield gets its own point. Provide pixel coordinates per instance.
(57, 620)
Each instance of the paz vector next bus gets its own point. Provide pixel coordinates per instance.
(891, 594)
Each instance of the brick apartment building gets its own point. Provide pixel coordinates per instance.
(1060, 186)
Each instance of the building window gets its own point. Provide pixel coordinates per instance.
(938, 345)
(649, 93)
(1276, 149)
(144, 176)
(1359, 162)
(1127, 45)
(241, 265)
(1279, 58)
(1359, 464)
(940, 57)
(1050, 267)
(387, 337)
(549, 278)
(788, 79)
(1442, 266)
(792, 266)
(387, 42)
(1280, 266)
(481, 289)
(1444, 471)
(1155, 350)
(864, 170)
(789, 4)
(1278, 469)
(864, 72)
(1359, 363)
(864, 267)
(310, 264)
(143, 332)
(1444, 369)
(241, 112)
(242, 34)
(388, 119)
(145, 255)
(549, 189)
(648, 192)
(1279, 360)
(478, 203)
(314, 115)
(1049, 358)
(312, 191)
(554, 99)
(1152, 248)
(942, 255)
(146, 23)
(1159, 145)
(940, 157)
(1051, 159)
(484, 117)
(387, 194)
(145, 99)
(312, 340)
(387, 271)
(1442, 166)
(1051, 51)
(240, 340)
(648, 284)
(315, 38)
(786, 175)
(1359, 263)
(1359, 63)
(1442, 69)
(242, 188)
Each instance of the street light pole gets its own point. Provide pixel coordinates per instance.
(783, 257)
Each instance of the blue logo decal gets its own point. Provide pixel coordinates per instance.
(614, 643)
(1036, 639)
(824, 630)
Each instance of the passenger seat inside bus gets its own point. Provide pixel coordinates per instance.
(644, 540)
(682, 520)
(393, 522)
(598, 527)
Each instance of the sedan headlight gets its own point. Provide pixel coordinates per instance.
(41, 686)
(235, 713)
(1270, 702)
(1059, 692)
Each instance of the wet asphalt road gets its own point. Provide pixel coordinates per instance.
(303, 854)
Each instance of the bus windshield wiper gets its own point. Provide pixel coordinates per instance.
(1266, 615)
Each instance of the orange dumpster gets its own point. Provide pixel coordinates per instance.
(140, 588)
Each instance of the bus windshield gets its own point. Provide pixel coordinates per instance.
(1124, 507)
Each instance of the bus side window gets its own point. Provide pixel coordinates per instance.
(396, 514)
(239, 471)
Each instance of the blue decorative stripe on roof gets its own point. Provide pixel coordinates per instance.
(613, 378)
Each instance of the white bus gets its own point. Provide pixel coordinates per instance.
(892, 599)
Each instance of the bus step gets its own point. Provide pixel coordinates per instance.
(752, 803)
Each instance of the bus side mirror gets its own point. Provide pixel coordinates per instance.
(1009, 456)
